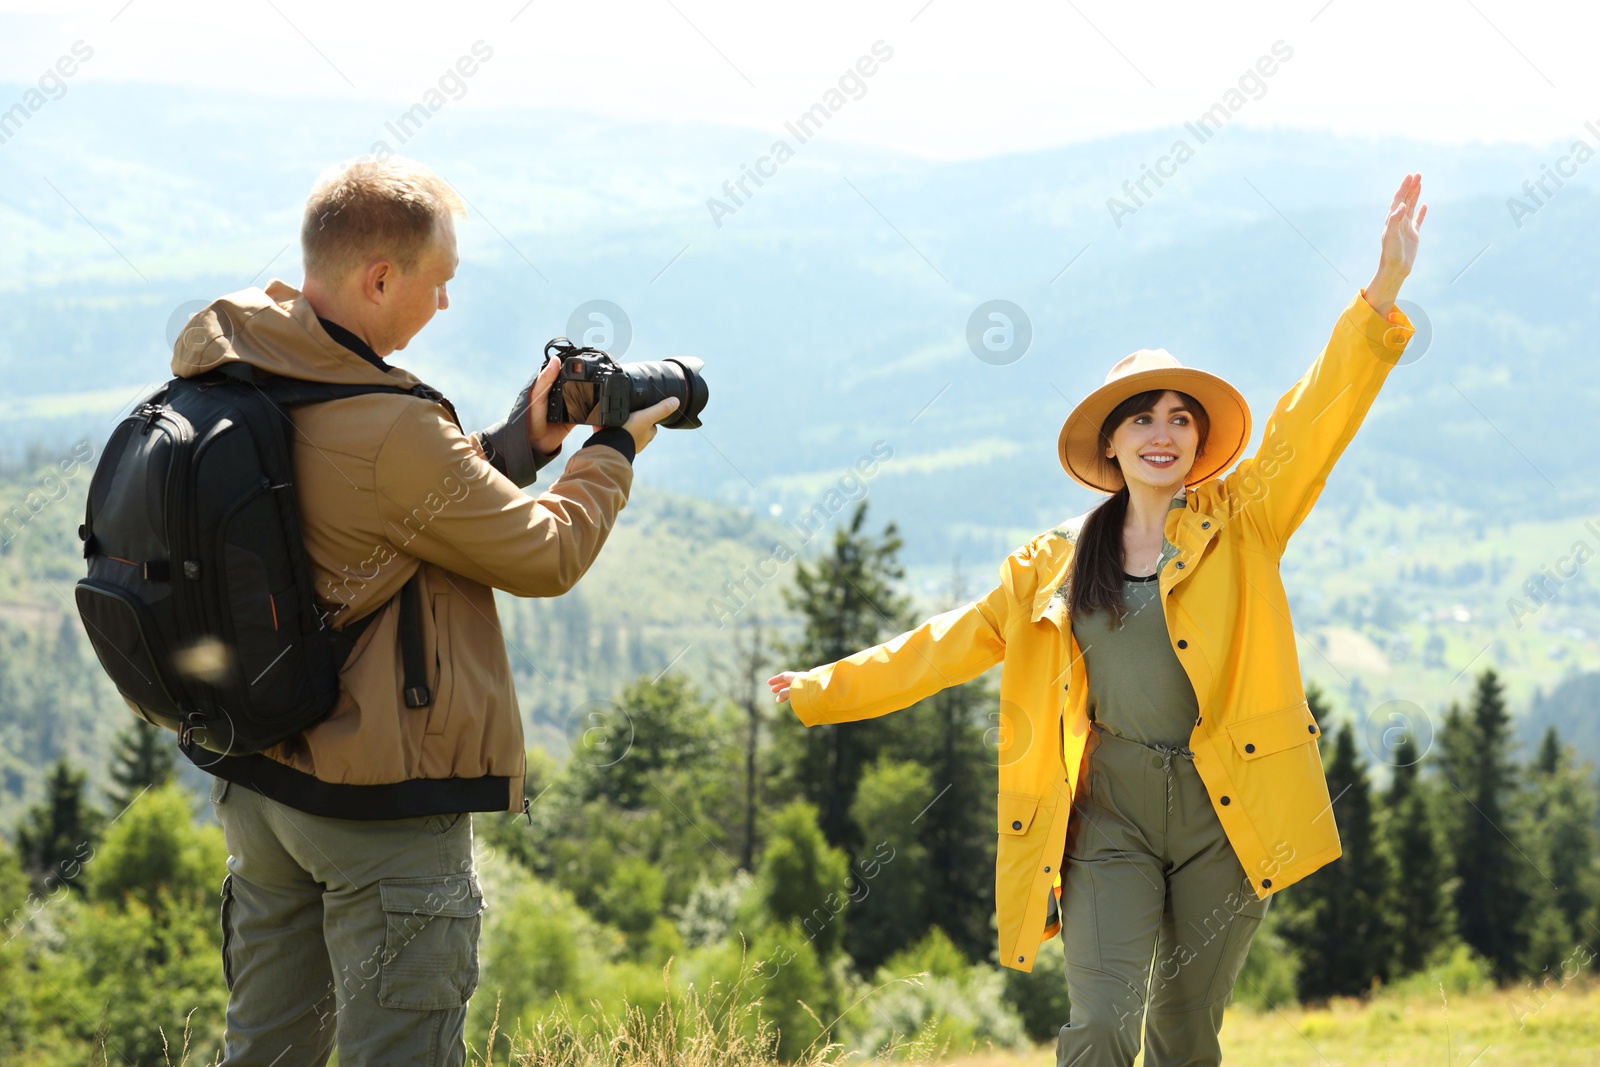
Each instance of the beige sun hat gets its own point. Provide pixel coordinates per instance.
(1153, 368)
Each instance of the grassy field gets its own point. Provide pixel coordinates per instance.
(1554, 1026)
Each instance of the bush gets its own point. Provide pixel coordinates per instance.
(536, 943)
(955, 1008)
(712, 911)
(1040, 996)
(797, 996)
(1453, 966)
(802, 878)
(155, 847)
(891, 913)
(138, 975)
(631, 899)
(1268, 977)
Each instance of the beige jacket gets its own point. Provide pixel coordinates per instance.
(388, 483)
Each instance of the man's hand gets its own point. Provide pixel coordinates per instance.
(515, 439)
(642, 423)
(546, 436)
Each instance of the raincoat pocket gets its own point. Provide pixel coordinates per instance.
(1016, 811)
(1262, 735)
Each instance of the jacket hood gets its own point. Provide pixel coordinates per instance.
(274, 330)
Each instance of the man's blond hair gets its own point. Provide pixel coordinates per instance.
(370, 209)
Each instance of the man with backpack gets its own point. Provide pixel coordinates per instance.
(351, 909)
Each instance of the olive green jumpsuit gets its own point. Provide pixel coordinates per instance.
(1157, 913)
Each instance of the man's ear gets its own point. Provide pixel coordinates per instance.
(377, 278)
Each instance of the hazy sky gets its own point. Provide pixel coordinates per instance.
(965, 79)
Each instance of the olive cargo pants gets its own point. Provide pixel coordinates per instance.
(1149, 878)
(355, 930)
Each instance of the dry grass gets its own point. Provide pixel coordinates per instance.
(721, 1028)
(1557, 1025)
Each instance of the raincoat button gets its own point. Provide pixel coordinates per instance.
(1266, 883)
(1205, 526)
(1224, 800)
(1047, 870)
(1183, 644)
(1020, 959)
(1313, 729)
(1015, 825)
(1249, 748)
(1180, 564)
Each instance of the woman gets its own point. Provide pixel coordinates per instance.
(1159, 771)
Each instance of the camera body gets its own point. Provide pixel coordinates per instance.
(592, 387)
(602, 383)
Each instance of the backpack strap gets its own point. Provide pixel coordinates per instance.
(416, 676)
(417, 693)
(289, 392)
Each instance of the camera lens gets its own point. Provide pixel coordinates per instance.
(655, 380)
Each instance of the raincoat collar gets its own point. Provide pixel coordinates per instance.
(1187, 527)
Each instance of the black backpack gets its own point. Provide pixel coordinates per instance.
(199, 598)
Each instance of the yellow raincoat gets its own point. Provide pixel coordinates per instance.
(1227, 617)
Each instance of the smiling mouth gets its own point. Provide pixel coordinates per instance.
(1160, 461)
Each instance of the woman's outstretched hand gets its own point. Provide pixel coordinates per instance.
(1399, 251)
(780, 685)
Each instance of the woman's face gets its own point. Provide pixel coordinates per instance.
(1144, 440)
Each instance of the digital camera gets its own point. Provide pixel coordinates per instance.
(592, 387)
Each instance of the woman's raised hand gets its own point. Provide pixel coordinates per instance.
(1400, 231)
(780, 685)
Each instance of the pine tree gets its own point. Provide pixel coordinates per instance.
(1492, 899)
(1341, 923)
(889, 908)
(751, 663)
(945, 734)
(143, 759)
(57, 837)
(1421, 884)
(1560, 828)
(655, 726)
(804, 880)
(957, 829)
(848, 603)
(1550, 758)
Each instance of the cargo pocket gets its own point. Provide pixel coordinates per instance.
(1236, 948)
(227, 931)
(1254, 907)
(430, 956)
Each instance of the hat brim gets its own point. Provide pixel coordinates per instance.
(1078, 446)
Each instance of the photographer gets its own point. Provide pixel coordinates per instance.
(350, 913)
